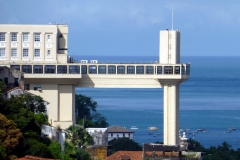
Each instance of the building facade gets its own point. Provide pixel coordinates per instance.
(41, 52)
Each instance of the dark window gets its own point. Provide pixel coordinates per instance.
(120, 69)
(149, 69)
(61, 69)
(92, 69)
(111, 69)
(188, 70)
(168, 70)
(183, 70)
(177, 70)
(37, 69)
(17, 67)
(159, 69)
(27, 68)
(74, 69)
(27, 87)
(50, 69)
(16, 82)
(140, 70)
(83, 69)
(37, 87)
(130, 70)
(101, 69)
(5, 80)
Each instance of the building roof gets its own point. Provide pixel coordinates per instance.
(132, 155)
(34, 158)
(118, 129)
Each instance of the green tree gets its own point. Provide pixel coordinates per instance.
(84, 106)
(34, 103)
(124, 144)
(86, 112)
(78, 136)
(2, 87)
(11, 139)
(41, 119)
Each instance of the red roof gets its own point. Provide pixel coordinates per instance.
(132, 155)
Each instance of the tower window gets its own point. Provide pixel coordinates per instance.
(36, 52)
(2, 52)
(25, 52)
(37, 37)
(25, 37)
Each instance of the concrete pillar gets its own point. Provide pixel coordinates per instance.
(171, 114)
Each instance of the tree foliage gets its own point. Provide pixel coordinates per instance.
(78, 136)
(34, 103)
(11, 139)
(86, 112)
(124, 144)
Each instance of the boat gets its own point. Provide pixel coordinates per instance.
(134, 127)
(201, 130)
(152, 128)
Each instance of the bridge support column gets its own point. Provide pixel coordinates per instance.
(171, 114)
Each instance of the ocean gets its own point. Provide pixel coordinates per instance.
(210, 99)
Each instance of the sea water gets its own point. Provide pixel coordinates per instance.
(210, 99)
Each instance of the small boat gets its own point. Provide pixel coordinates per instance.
(201, 130)
(134, 127)
(152, 128)
(231, 129)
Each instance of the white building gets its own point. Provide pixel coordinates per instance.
(99, 135)
(119, 132)
(41, 52)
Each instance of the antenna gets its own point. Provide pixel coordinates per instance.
(172, 15)
(0, 11)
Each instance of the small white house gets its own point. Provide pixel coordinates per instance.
(119, 132)
(99, 135)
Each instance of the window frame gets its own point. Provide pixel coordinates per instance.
(37, 37)
(25, 52)
(37, 53)
(27, 68)
(2, 37)
(2, 52)
(25, 37)
(14, 37)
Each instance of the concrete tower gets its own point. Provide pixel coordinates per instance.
(170, 54)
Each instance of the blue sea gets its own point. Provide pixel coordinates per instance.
(210, 99)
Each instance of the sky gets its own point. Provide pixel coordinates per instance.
(131, 27)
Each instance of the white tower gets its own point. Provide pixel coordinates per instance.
(170, 55)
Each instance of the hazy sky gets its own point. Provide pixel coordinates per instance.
(131, 27)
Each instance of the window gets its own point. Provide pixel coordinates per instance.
(49, 37)
(92, 69)
(101, 69)
(188, 70)
(2, 37)
(15, 82)
(48, 52)
(183, 70)
(149, 69)
(177, 70)
(37, 37)
(84, 69)
(2, 52)
(37, 87)
(50, 68)
(37, 69)
(17, 67)
(27, 68)
(159, 69)
(130, 70)
(111, 69)
(25, 37)
(140, 70)
(25, 52)
(74, 69)
(62, 69)
(120, 69)
(14, 37)
(14, 53)
(36, 52)
(168, 70)
(27, 87)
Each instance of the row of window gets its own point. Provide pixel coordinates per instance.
(25, 37)
(25, 52)
(101, 69)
